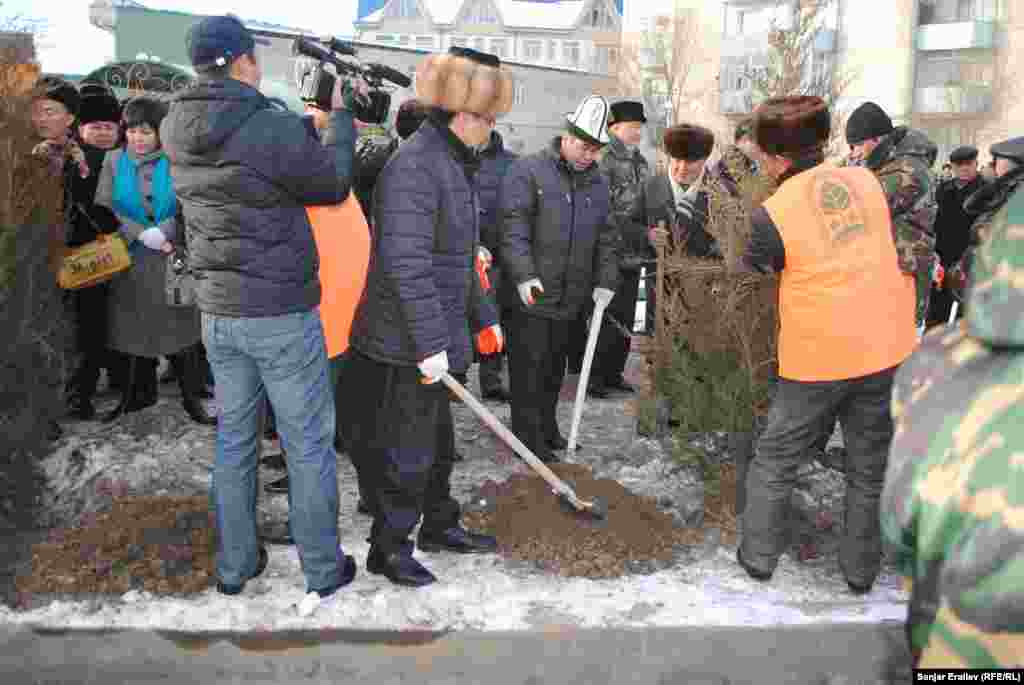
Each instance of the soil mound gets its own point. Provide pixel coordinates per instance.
(163, 545)
(531, 524)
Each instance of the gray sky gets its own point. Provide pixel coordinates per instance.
(72, 45)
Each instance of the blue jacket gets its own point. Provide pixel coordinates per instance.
(421, 284)
(244, 171)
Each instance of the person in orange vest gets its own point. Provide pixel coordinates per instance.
(827, 232)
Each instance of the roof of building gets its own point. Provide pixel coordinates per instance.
(542, 14)
(253, 24)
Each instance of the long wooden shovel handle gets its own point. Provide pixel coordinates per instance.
(581, 387)
(508, 437)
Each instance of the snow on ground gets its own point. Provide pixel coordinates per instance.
(158, 451)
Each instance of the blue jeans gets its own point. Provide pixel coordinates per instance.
(285, 357)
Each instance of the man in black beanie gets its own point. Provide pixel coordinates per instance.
(902, 159)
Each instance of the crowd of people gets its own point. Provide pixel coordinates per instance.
(478, 255)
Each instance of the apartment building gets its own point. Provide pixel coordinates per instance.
(580, 35)
(949, 67)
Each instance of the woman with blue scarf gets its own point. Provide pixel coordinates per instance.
(136, 184)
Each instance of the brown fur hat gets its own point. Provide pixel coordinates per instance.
(465, 80)
(793, 127)
(689, 142)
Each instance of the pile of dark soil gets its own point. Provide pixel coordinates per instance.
(164, 545)
(531, 524)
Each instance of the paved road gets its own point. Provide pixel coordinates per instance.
(815, 655)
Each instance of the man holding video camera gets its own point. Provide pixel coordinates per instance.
(244, 171)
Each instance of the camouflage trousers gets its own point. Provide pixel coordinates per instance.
(802, 414)
(922, 294)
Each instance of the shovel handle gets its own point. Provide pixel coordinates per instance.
(507, 436)
(581, 387)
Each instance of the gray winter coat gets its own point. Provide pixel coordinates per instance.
(244, 171)
(140, 322)
(421, 285)
(556, 227)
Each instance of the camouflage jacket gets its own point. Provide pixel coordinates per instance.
(626, 172)
(734, 188)
(902, 162)
(984, 205)
(951, 510)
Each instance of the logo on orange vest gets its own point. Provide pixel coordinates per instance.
(841, 214)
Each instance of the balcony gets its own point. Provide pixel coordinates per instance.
(962, 35)
(954, 100)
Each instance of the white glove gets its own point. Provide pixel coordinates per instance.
(434, 367)
(484, 254)
(603, 296)
(526, 290)
(153, 238)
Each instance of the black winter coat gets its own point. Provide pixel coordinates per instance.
(86, 219)
(953, 222)
(244, 171)
(555, 227)
(421, 284)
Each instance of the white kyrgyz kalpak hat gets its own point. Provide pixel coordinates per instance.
(590, 120)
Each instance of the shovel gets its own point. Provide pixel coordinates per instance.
(581, 387)
(596, 508)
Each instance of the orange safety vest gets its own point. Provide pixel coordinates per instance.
(845, 308)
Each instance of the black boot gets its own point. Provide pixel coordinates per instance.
(126, 392)
(186, 370)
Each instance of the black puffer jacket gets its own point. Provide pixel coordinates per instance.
(495, 162)
(244, 171)
(420, 285)
(555, 227)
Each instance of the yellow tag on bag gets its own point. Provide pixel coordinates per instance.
(93, 263)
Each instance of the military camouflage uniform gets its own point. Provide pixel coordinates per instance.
(626, 171)
(986, 203)
(902, 162)
(953, 505)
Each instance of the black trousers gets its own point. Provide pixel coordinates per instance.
(538, 348)
(402, 440)
(612, 345)
(90, 309)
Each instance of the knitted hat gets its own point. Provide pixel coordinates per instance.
(627, 110)
(59, 90)
(867, 121)
(465, 80)
(590, 120)
(793, 127)
(964, 153)
(689, 142)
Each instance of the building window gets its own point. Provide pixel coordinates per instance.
(385, 38)
(601, 60)
(403, 9)
(744, 20)
(600, 17)
(499, 46)
(404, 40)
(552, 51)
(460, 41)
(425, 42)
(482, 12)
(532, 50)
(571, 53)
(479, 43)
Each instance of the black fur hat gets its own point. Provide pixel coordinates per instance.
(101, 106)
(59, 90)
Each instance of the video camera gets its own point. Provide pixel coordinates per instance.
(316, 84)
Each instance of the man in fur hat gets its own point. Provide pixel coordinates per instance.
(558, 252)
(411, 327)
(55, 107)
(828, 232)
(99, 120)
(671, 197)
(626, 171)
(902, 159)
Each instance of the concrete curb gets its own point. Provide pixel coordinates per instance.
(849, 654)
